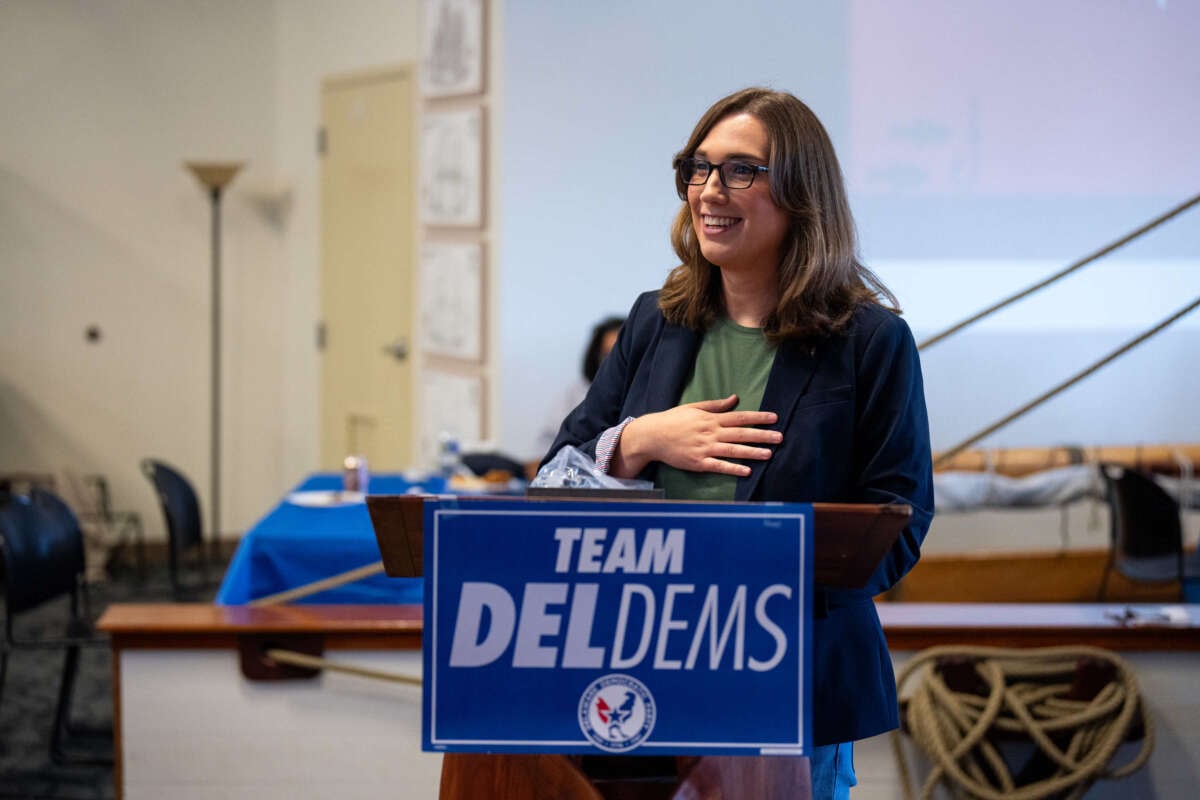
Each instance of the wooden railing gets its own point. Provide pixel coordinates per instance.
(1165, 459)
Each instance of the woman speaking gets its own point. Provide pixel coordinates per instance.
(773, 366)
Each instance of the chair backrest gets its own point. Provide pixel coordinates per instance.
(80, 495)
(88, 494)
(42, 550)
(482, 463)
(1145, 518)
(23, 482)
(180, 506)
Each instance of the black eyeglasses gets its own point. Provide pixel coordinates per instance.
(734, 174)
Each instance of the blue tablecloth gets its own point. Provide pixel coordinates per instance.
(295, 545)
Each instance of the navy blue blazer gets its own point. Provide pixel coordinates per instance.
(855, 430)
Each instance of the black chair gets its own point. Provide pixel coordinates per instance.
(43, 561)
(1146, 534)
(22, 482)
(181, 511)
(482, 463)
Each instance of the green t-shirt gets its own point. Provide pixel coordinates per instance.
(733, 359)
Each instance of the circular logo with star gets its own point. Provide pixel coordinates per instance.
(616, 713)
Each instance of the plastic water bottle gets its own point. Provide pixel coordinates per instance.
(449, 455)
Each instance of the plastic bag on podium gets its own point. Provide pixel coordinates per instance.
(572, 469)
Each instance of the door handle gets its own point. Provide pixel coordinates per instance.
(398, 349)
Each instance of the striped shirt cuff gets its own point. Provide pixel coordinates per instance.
(607, 445)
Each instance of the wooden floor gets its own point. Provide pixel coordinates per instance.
(1031, 577)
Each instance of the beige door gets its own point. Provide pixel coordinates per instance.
(367, 253)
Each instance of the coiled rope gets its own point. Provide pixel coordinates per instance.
(1022, 693)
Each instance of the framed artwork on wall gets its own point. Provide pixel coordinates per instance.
(451, 191)
(452, 48)
(451, 280)
(452, 404)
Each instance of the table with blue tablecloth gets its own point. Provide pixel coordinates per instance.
(295, 544)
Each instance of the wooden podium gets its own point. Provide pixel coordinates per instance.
(850, 542)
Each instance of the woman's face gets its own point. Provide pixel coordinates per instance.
(607, 342)
(739, 230)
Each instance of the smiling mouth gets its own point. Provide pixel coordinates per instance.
(718, 223)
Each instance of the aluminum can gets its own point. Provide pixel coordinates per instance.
(355, 476)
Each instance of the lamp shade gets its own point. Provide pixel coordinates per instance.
(214, 174)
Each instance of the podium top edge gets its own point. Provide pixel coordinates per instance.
(888, 509)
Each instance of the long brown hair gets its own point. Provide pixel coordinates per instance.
(821, 280)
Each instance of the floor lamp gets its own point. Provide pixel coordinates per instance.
(215, 176)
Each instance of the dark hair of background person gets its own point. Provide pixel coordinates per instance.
(592, 356)
(821, 280)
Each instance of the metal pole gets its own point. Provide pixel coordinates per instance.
(1083, 262)
(1067, 384)
(214, 176)
(215, 403)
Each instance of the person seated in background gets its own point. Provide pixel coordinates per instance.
(604, 335)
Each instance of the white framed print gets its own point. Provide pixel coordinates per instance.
(451, 191)
(452, 404)
(451, 280)
(452, 48)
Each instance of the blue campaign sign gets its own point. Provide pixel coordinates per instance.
(620, 627)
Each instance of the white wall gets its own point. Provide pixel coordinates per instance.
(599, 97)
(335, 735)
(100, 224)
(972, 173)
